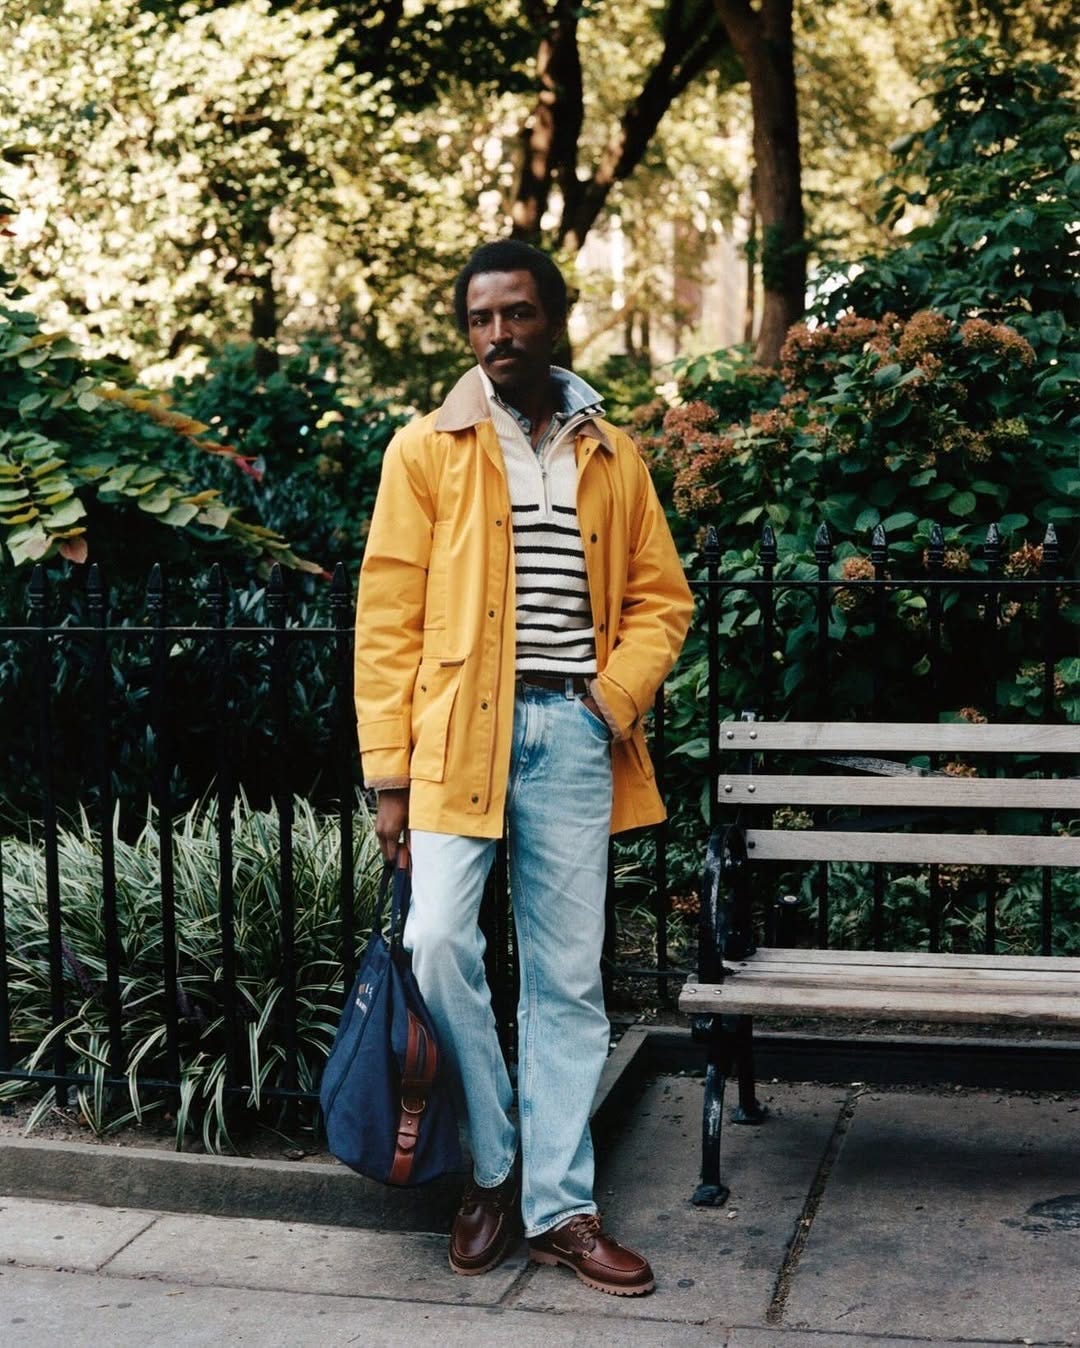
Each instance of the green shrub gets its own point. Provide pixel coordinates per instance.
(202, 1109)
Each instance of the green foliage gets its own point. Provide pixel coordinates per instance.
(316, 439)
(906, 916)
(259, 750)
(881, 422)
(888, 412)
(203, 1111)
(87, 462)
(998, 172)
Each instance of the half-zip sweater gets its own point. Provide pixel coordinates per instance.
(554, 625)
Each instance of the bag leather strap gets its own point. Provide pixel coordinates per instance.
(421, 1064)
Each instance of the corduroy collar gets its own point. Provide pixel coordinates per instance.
(466, 406)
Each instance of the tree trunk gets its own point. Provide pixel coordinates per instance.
(264, 318)
(693, 40)
(549, 138)
(750, 308)
(763, 40)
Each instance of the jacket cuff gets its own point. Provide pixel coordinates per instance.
(387, 783)
(617, 707)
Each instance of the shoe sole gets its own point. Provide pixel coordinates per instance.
(612, 1289)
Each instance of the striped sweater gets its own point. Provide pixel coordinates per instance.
(554, 619)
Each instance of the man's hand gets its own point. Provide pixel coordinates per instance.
(391, 820)
(589, 701)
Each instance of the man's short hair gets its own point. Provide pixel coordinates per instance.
(512, 255)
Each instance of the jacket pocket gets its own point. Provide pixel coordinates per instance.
(438, 578)
(433, 707)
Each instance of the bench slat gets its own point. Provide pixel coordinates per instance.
(964, 849)
(952, 792)
(781, 955)
(900, 737)
(961, 981)
(883, 1001)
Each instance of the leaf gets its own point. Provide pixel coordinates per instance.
(75, 550)
(901, 520)
(66, 514)
(157, 505)
(180, 514)
(31, 547)
(887, 375)
(962, 504)
(1009, 524)
(867, 519)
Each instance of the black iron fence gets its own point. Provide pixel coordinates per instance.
(995, 634)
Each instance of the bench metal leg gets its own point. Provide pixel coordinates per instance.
(749, 1109)
(711, 1192)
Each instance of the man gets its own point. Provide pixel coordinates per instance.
(520, 602)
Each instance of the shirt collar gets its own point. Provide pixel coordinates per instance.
(573, 396)
(467, 404)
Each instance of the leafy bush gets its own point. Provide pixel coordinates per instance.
(316, 438)
(89, 466)
(203, 1110)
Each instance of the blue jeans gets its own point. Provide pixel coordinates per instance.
(559, 818)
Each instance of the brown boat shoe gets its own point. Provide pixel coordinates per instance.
(487, 1225)
(597, 1259)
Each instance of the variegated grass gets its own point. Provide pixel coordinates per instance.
(201, 1107)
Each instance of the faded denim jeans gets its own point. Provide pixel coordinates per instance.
(559, 816)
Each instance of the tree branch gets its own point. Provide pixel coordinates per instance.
(688, 52)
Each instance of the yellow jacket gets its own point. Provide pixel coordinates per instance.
(435, 619)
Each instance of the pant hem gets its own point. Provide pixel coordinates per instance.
(494, 1184)
(587, 1209)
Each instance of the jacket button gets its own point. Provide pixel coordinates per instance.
(423, 687)
(475, 800)
(491, 613)
(602, 628)
(592, 539)
(498, 524)
(483, 706)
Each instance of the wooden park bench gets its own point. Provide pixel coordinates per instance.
(869, 808)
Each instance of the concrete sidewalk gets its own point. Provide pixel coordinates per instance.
(856, 1217)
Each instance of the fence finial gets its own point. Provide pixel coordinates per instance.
(712, 546)
(95, 592)
(37, 593)
(992, 546)
(275, 596)
(823, 544)
(339, 585)
(879, 546)
(218, 594)
(155, 592)
(1051, 551)
(935, 553)
(768, 545)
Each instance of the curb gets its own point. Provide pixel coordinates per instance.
(285, 1191)
(331, 1195)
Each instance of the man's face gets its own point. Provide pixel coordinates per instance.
(510, 334)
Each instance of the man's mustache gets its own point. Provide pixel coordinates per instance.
(497, 352)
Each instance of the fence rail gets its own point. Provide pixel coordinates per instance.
(779, 636)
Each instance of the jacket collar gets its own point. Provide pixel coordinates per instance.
(466, 406)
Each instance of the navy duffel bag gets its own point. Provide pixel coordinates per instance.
(385, 1095)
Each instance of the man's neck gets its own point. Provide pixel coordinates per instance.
(536, 404)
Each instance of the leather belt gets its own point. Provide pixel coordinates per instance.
(571, 685)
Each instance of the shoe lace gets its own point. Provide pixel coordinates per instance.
(585, 1227)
